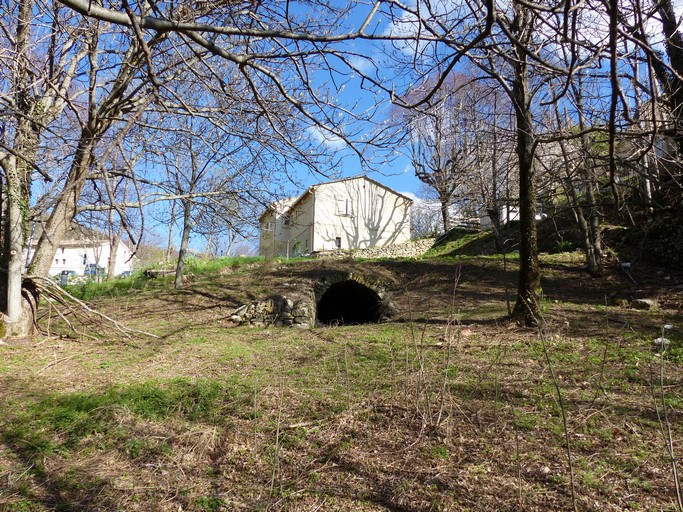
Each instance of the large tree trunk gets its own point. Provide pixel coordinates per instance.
(526, 308)
(65, 208)
(445, 216)
(18, 168)
(184, 242)
(672, 82)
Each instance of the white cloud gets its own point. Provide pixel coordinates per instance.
(323, 136)
(363, 64)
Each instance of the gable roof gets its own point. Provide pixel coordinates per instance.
(281, 205)
(312, 188)
(76, 235)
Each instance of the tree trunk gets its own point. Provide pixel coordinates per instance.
(591, 225)
(169, 246)
(494, 210)
(494, 216)
(65, 208)
(526, 308)
(445, 217)
(18, 168)
(113, 251)
(672, 81)
(184, 241)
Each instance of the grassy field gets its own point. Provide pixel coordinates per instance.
(447, 407)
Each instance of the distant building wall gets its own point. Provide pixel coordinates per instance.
(75, 255)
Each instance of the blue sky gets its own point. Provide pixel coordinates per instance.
(389, 167)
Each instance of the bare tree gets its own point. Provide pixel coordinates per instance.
(101, 70)
(276, 54)
(443, 140)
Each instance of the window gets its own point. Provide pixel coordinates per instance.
(337, 242)
(62, 250)
(85, 259)
(268, 226)
(56, 261)
(64, 261)
(286, 220)
(344, 207)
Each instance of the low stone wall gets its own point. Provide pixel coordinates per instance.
(276, 310)
(411, 249)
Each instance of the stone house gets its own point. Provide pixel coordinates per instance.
(347, 214)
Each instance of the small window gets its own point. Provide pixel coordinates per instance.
(64, 262)
(85, 259)
(56, 261)
(344, 207)
(337, 242)
(287, 220)
(62, 250)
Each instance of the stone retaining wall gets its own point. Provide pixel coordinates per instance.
(411, 249)
(276, 310)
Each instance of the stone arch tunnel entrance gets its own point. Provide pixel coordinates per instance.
(349, 302)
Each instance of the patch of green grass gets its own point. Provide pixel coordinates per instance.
(527, 421)
(675, 350)
(90, 289)
(59, 423)
(210, 503)
(440, 452)
(454, 241)
(116, 287)
(20, 506)
(201, 266)
(564, 246)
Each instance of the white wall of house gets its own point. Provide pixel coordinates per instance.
(359, 213)
(75, 255)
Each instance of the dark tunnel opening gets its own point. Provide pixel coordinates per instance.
(349, 302)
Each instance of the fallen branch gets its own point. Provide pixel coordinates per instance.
(56, 294)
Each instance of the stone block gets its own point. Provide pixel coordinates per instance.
(644, 304)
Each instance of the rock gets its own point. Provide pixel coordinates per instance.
(300, 311)
(389, 309)
(240, 310)
(661, 343)
(302, 325)
(644, 304)
(622, 303)
(236, 318)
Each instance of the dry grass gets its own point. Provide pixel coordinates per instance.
(448, 408)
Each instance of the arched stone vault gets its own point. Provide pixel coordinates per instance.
(338, 297)
(350, 297)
